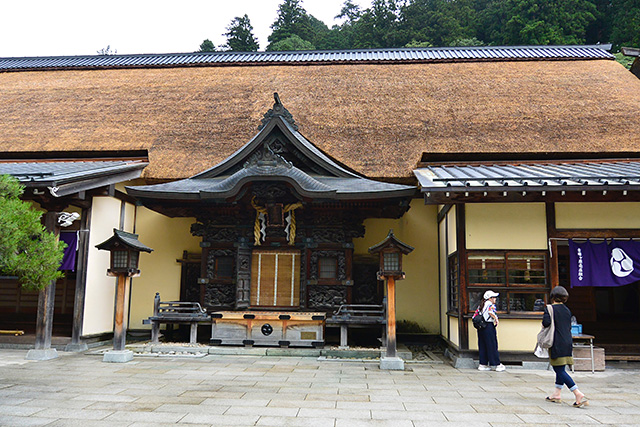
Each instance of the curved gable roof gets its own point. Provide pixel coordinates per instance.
(265, 158)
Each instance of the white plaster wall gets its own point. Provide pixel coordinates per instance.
(100, 289)
(598, 215)
(506, 226)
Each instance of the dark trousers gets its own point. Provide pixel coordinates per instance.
(488, 345)
(563, 377)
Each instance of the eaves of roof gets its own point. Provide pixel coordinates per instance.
(448, 182)
(397, 55)
(64, 178)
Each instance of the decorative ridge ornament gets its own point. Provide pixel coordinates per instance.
(278, 110)
(265, 161)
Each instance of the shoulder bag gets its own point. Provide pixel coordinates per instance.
(545, 336)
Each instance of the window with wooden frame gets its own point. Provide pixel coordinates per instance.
(327, 268)
(220, 265)
(452, 283)
(521, 278)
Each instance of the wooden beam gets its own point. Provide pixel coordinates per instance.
(529, 195)
(442, 214)
(611, 233)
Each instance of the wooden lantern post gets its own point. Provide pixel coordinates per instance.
(391, 250)
(125, 252)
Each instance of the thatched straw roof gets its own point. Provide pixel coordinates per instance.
(377, 119)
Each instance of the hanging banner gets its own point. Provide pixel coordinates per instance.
(604, 264)
(69, 258)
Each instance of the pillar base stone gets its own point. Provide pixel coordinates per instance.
(42, 354)
(118, 356)
(392, 363)
(76, 348)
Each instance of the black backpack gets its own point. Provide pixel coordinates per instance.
(478, 320)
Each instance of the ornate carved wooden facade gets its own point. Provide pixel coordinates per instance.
(277, 221)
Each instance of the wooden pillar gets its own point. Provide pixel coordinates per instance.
(391, 317)
(463, 295)
(76, 343)
(120, 332)
(243, 276)
(46, 297)
(554, 275)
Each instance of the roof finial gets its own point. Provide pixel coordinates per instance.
(278, 110)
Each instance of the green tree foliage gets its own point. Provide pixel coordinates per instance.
(207, 46)
(27, 250)
(533, 22)
(396, 23)
(625, 23)
(291, 43)
(293, 19)
(379, 26)
(439, 22)
(342, 36)
(240, 36)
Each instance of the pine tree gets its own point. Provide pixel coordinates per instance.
(240, 36)
(27, 250)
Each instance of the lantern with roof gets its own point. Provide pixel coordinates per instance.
(391, 251)
(125, 251)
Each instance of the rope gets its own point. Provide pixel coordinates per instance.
(256, 225)
(292, 226)
(257, 231)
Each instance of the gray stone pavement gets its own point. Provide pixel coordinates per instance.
(240, 390)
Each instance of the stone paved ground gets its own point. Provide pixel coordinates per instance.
(236, 390)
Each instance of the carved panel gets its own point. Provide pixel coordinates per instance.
(328, 235)
(327, 219)
(211, 232)
(339, 255)
(243, 277)
(192, 290)
(326, 297)
(269, 191)
(211, 261)
(365, 283)
(220, 295)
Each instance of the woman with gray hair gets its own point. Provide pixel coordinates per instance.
(561, 352)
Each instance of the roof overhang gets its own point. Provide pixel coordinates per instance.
(58, 179)
(570, 181)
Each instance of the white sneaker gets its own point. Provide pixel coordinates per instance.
(483, 368)
(500, 368)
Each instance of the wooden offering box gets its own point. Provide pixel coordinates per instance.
(268, 328)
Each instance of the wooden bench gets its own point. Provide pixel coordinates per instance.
(358, 315)
(171, 312)
(11, 332)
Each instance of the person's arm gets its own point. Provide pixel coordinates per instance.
(546, 318)
(492, 312)
(495, 317)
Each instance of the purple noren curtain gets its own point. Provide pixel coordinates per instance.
(616, 263)
(69, 259)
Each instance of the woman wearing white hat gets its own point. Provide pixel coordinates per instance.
(487, 337)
